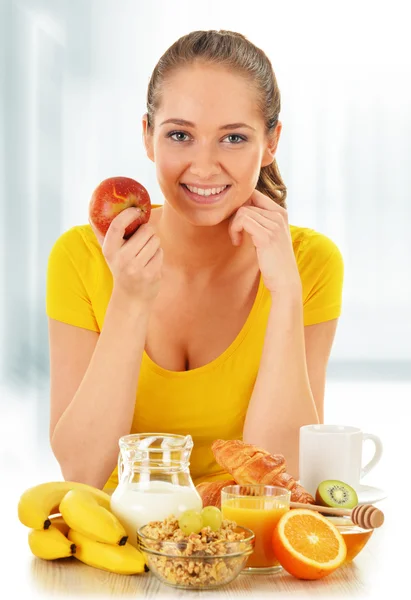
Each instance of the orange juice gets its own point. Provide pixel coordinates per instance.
(260, 514)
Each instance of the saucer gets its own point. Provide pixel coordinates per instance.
(369, 495)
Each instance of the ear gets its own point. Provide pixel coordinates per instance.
(148, 138)
(271, 148)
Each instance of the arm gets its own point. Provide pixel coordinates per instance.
(94, 376)
(282, 400)
(319, 339)
(93, 388)
(289, 388)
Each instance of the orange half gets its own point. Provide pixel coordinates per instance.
(307, 545)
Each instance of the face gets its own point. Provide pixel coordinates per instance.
(221, 144)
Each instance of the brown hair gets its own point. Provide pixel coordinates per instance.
(235, 52)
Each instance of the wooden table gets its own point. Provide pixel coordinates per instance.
(366, 576)
(69, 575)
(378, 571)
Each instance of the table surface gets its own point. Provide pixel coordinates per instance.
(351, 580)
(382, 566)
(366, 576)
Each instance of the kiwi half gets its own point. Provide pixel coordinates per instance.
(336, 494)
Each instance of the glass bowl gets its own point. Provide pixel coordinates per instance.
(355, 537)
(166, 560)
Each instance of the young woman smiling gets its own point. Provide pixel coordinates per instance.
(217, 317)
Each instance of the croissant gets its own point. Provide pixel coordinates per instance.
(249, 464)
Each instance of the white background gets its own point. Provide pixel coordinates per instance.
(73, 79)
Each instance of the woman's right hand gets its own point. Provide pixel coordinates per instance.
(136, 263)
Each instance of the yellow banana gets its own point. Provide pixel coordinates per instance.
(126, 560)
(82, 512)
(38, 502)
(59, 523)
(50, 544)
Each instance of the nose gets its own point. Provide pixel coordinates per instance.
(204, 163)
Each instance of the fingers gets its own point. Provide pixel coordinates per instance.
(236, 227)
(147, 251)
(248, 223)
(260, 215)
(260, 200)
(156, 260)
(114, 239)
(245, 219)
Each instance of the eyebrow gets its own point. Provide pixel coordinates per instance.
(190, 124)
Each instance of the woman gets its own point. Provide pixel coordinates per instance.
(217, 317)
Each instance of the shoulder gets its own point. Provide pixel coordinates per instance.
(310, 244)
(78, 242)
(74, 270)
(76, 254)
(321, 269)
(316, 254)
(319, 260)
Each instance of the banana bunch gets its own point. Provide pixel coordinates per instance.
(74, 519)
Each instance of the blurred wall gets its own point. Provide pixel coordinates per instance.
(73, 79)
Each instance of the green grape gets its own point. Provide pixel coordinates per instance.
(212, 517)
(190, 522)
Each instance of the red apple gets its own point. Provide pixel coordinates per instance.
(112, 196)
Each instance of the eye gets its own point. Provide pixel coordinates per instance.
(177, 133)
(179, 136)
(240, 138)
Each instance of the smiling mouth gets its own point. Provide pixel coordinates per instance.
(205, 197)
(206, 192)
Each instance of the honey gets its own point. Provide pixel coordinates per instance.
(355, 538)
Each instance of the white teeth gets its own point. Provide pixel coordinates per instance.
(209, 192)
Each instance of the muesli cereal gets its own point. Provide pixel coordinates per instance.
(198, 559)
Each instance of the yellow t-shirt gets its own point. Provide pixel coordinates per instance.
(209, 402)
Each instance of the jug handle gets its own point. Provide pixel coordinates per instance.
(120, 466)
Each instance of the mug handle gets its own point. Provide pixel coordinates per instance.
(377, 454)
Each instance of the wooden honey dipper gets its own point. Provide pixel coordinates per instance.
(365, 516)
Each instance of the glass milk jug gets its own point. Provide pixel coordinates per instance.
(153, 480)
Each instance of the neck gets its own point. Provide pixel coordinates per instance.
(199, 253)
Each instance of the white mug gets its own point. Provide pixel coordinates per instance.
(334, 452)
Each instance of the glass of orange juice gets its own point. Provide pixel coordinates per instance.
(258, 507)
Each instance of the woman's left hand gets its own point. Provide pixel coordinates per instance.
(267, 224)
